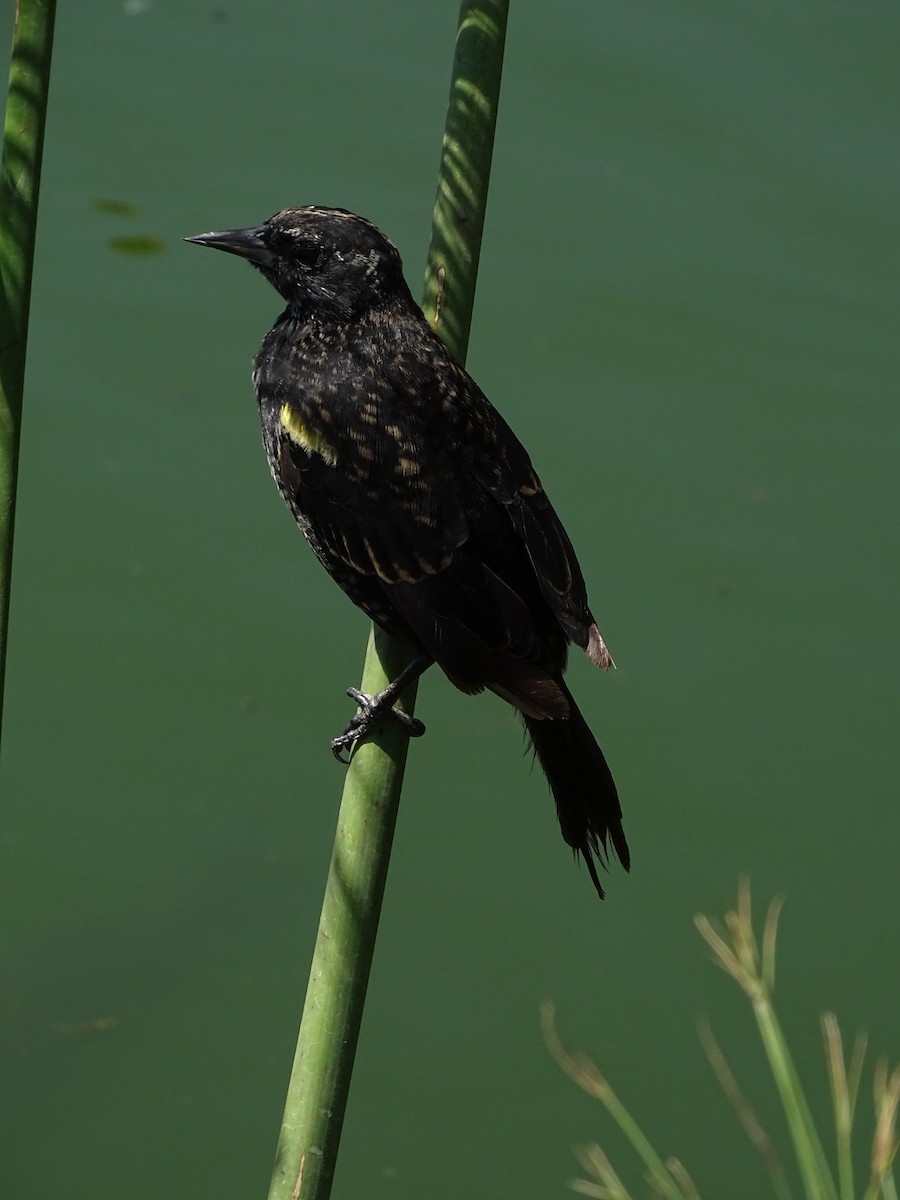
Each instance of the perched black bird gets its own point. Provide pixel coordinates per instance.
(419, 500)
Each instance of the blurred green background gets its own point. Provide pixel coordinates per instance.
(687, 310)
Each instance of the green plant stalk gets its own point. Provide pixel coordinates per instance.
(736, 950)
(755, 973)
(881, 1189)
(20, 174)
(818, 1181)
(332, 1013)
(586, 1075)
(464, 173)
(844, 1088)
(664, 1183)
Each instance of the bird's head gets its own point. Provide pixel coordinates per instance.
(319, 259)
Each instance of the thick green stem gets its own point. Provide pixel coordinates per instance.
(329, 1029)
(332, 1013)
(452, 268)
(23, 141)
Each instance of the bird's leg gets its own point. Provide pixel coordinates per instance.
(374, 709)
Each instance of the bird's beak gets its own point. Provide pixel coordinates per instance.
(246, 243)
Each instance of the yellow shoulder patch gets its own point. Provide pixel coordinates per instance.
(304, 435)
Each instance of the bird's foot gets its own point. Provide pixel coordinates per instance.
(372, 711)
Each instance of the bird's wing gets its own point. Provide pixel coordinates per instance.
(410, 558)
(424, 507)
(505, 472)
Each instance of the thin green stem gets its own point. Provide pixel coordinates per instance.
(755, 972)
(23, 143)
(671, 1185)
(811, 1158)
(657, 1170)
(329, 1029)
(844, 1086)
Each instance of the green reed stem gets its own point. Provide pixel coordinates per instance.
(20, 173)
(332, 1013)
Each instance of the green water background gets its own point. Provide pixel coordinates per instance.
(687, 309)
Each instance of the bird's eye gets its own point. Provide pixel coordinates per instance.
(305, 252)
(291, 246)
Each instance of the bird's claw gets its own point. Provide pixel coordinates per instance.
(372, 710)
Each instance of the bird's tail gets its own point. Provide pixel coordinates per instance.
(587, 803)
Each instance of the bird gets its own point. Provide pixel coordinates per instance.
(421, 503)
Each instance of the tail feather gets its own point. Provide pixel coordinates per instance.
(587, 802)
